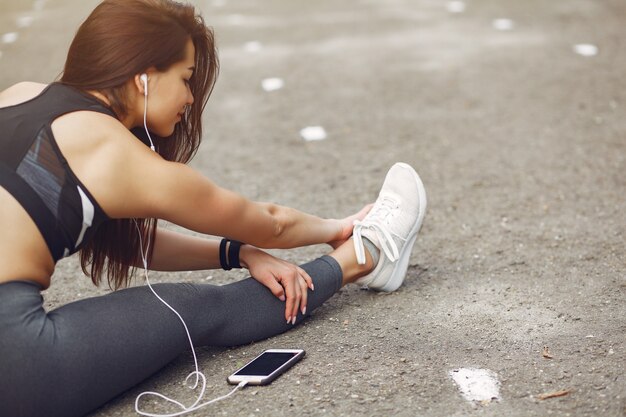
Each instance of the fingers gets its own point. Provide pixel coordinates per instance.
(363, 212)
(288, 282)
(359, 215)
(366, 208)
(276, 289)
(296, 287)
(294, 295)
(304, 287)
(307, 278)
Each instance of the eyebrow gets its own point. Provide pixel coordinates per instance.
(192, 69)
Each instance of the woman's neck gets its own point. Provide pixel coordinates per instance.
(126, 120)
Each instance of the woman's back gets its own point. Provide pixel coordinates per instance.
(46, 208)
(23, 251)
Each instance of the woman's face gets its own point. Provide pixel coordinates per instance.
(169, 94)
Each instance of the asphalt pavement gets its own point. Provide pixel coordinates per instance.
(513, 114)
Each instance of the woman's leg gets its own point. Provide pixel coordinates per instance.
(247, 311)
(75, 358)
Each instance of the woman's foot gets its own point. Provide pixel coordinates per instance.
(391, 226)
(377, 255)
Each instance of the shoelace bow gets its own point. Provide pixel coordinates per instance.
(375, 221)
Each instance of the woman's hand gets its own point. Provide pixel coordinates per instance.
(286, 281)
(347, 225)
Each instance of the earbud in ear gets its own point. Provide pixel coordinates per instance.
(144, 78)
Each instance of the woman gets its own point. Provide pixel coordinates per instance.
(76, 171)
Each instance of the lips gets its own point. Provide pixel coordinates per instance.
(181, 114)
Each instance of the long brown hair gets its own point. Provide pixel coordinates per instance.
(119, 39)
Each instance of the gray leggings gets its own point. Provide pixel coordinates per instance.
(71, 360)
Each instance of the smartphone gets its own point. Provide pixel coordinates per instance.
(267, 366)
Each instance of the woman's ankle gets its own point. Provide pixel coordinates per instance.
(346, 258)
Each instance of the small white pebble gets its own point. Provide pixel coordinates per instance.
(586, 49)
(253, 46)
(456, 6)
(9, 37)
(272, 84)
(312, 133)
(24, 21)
(502, 24)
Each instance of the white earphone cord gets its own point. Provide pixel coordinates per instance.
(144, 78)
(199, 375)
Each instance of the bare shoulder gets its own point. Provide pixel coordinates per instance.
(92, 136)
(109, 160)
(20, 92)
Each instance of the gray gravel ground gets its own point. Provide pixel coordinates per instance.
(520, 142)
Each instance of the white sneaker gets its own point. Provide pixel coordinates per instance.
(392, 226)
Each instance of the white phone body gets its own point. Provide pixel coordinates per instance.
(266, 367)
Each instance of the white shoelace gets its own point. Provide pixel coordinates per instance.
(376, 221)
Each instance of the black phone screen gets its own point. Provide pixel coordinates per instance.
(267, 363)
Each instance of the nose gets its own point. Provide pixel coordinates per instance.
(189, 97)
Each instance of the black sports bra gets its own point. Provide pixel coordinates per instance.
(34, 171)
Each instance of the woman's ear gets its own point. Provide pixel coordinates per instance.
(139, 84)
(141, 81)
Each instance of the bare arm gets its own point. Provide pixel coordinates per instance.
(148, 186)
(194, 202)
(175, 251)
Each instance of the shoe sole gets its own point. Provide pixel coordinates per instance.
(399, 270)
